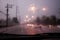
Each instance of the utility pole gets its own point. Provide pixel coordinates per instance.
(7, 10)
(16, 11)
(7, 16)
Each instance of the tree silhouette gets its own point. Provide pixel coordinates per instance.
(58, 21)
(15, 20)
(45, 20)
(37, 20)
(53, 20)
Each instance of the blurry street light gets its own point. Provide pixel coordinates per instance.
(26, 16)
(32, 16)
(27, 20)
(43, 9)
(30, 25)
(32, 8)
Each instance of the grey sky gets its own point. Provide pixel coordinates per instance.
(23, 5)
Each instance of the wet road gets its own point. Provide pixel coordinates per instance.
(24, 29)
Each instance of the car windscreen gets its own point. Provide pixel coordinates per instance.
(29, 17)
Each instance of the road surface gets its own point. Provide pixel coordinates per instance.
(27, 30)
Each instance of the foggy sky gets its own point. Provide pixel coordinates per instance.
(23, 5)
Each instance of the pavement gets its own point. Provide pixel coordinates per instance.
(27, 30)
